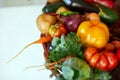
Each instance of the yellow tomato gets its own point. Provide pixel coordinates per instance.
(93, 33)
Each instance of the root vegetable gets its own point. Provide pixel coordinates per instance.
(44, 21)
(43, 39)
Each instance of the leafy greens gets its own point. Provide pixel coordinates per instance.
(66, 46)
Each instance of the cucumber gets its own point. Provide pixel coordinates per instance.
(52, 7)
(107, 15)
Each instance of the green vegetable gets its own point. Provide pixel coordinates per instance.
(107, 15)
(100, 75)
(66, 46)
(68, 72)
(52, 7)
(68, 13)
(60, 77)
(76, 69)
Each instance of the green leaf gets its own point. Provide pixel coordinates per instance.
(55, 41)
(60, 77)
(100, 75)
(79, 65)
(68, 72)
(66, 46)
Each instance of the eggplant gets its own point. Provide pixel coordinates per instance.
(80, 6)
(107, 15)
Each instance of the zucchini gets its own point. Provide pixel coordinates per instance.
(52, 7)
(107, 15)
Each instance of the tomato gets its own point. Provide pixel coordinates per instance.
(101, 59)
(57, 30)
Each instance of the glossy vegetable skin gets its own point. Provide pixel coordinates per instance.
(93, 33)
(107, 3)
(57, 30)
(104, 60)
(80, 5)
(72, 21)
(52, 7)
(106, 14)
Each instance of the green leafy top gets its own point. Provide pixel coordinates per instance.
(66, 46)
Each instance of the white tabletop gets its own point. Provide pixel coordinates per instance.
(18, 28)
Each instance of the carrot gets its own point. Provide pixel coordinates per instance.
(43, 39)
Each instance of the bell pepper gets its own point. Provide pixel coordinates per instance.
(107, 3)
(93, 33)
(57, 30)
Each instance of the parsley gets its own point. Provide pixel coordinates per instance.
(66, 46)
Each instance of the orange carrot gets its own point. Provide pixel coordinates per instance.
(43, 39)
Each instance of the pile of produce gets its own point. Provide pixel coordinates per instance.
(81, 39)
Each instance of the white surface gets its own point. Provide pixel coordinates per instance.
(8, 3)
(18, 28)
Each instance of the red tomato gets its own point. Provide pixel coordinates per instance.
(57, 30)
(104, 60)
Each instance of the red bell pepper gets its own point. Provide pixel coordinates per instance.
(107, 3)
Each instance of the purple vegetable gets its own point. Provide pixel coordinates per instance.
(72, 22)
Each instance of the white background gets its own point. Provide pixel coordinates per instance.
(17, 29)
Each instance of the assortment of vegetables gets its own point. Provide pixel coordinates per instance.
(84, 38)
(76, 39)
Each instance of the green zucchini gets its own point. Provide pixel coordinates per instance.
(52, 7)
(106, 14)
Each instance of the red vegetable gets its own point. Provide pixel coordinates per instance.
(57, 30)
(104, 60)
(108, 3)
